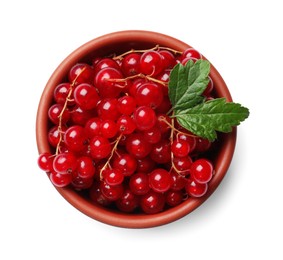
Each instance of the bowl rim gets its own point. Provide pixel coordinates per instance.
(104, 215)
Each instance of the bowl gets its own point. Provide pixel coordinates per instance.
(119, 42)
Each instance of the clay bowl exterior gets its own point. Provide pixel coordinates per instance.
(119, 42)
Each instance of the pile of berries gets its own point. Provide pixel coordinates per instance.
(113, 137)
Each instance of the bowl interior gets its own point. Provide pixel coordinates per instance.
(117, 43)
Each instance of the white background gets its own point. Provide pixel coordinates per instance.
(242, 220)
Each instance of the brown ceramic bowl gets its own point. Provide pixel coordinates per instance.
(119, 42)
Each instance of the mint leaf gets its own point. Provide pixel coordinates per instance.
(187, 83)
(215, 115)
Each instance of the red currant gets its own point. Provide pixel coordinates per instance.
(61, 93)
(92, 127)
(149, 94)
(126, 105)
(85, 168)
(86, 96)
(173, 198)
(131, 64)
(60, 180)
(151, 63)
(108, 128)
(137, 146)
(105, 63)
(139, 183)
(75, 138)
(81, 73)
(106, 81)
(100, 147)
(113, 176)
(201, 170)
(65, 163)
(55, 113)
(195, 189)
(125, 163)
(126, 125)
(144, 118)
(152, 202)
(45, 162)
(111, 192)
(128, 202)
(108, 109)
(180, 148)
(160, 180)
(161, 152)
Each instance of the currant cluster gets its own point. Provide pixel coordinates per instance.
(113, 137)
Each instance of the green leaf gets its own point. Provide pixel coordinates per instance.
(187, 83)
(215, 115)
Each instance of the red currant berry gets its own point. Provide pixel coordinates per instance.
(79, 183)
(178, 182)
(80, 116)
(60, 180)
(160, 180)
(137, 146)
(92, 127)
(61, 93)
(180, 148)
(54, 135)
(125, 163)
(96, 195)
(55, 113)
(131, 64)
(111, 193)
(75, 138)
(126, 105)
(163, 123)
(202, 145)
(144, 118)
(149, 94)
(201, 170)
(81, 73)
(153, 135)
(209, 88)
(151, 63)
(173, 198)
(189, 138)
(105, 63)
(161, 152)
(113, 176)
(126, 125)
(100, 147)
(139, 183)
(85, 168)
(183, 165)
(168, 59)
(108, 109)
(195, 189)
(135, 85)
(106, 81)
(108, 128)
(191, 53)
(152, 202)
(145, 164)
(65, 163)
(45, 162)
(128, 202)
(86, 96)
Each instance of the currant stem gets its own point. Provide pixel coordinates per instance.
(156, 47)
(120, 57)
(175, 129)
(140, 75)
(107, 164)
(68, 99)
